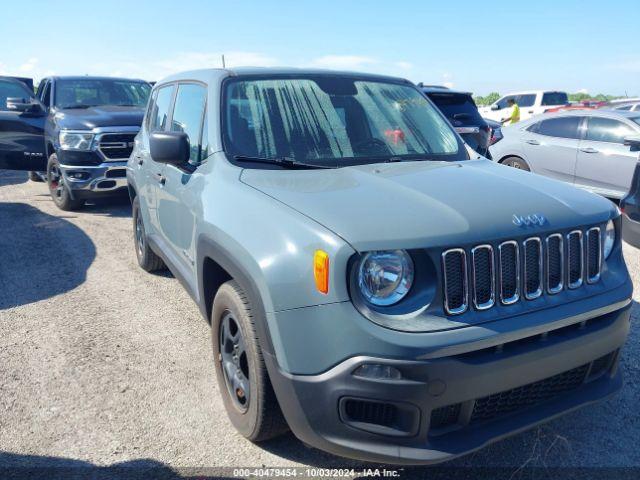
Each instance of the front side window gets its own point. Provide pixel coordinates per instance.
(12, 90)
(607, 130)
(527, 100)
(334, 121)
(624, 107)
(159, 109)
(503, 102)
(85, 93)
(188, 114)
(555, 98)
(636, 120)
(563, 127)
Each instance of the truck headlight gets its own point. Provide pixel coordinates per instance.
(385, 277)
(609, 239)
(75, 140)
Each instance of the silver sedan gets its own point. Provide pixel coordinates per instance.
(583, 147)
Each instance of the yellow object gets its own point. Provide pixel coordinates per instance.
(321, 270)
(515, 114)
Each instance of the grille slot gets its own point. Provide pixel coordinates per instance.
(574, 252)
(509, 253)
(454, 266)
(116, 146)
(555, 263)
(483, 277)
(376, 413)
(445, 416)
(593, 255)
(532, 268)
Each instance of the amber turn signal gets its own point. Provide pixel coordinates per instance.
(321, 270)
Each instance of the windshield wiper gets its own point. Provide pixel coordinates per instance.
(285, 162)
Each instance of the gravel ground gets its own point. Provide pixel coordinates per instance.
(102, 364)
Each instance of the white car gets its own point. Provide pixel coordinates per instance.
(587, 148)
(531, 103)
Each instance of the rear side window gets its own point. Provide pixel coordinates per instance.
(607, 130)
(555, 98)
(564, 127)
(188, 114)
(159, 109)
(12, 90)
(625, 107)
(456, 107)
(527, 100)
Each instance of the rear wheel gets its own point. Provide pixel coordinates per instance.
(58, 189)
(35, 177)
(242, 376)
(147, 258)
(516, 162)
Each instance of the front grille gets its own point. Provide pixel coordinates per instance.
(483, 277)
(116, 145)
(532, 268)
(593, 255)
(455, 281)
(509, 401)
(526, 269)
(534, 393)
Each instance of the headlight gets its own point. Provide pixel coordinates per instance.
(609, 239)
(385, 277)
(75, 141)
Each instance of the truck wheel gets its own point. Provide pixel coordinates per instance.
(516, 162)
(147, 259)
(34, 177)
(57, 188)
(242, 376)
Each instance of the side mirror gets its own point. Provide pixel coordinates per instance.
(495, 107)
(633, 142)
(23, 105)
(169, 147)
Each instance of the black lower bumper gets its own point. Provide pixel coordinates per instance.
(446, 407)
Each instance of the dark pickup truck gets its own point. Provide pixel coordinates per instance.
(75, 132)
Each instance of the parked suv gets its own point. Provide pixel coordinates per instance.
(367, 284)
(77, 133)
(462, 113)
(531, 103)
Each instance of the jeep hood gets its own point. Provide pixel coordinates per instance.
(101, 116)
(424, 204)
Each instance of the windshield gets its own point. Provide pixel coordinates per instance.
(84, 93)
(334, 121)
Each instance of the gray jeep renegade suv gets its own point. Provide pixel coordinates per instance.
(370, 283)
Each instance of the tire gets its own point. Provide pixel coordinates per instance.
(516, 162)
(249, 398)
(147, 258)
(34, 177)
(58, 189)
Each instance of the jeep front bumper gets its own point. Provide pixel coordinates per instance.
(457, 398)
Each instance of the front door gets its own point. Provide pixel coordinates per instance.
(605, 165)
(178, 199)
(21, 133)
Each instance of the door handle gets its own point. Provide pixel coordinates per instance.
(160, 178)
(589, 150)
(532, 142)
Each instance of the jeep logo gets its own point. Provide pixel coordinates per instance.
(529, 220)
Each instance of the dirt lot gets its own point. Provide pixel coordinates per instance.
(103, 364)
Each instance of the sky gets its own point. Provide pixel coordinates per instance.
(479, 46)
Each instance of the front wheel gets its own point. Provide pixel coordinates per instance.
(58, 189)
(242, 376)
(516, 162)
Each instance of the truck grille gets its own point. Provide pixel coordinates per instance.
(116, 146)
(520, 269)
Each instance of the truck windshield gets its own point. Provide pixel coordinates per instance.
(332, 120)
(84, 93)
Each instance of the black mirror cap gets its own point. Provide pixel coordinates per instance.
(633, 142)
(169, 147)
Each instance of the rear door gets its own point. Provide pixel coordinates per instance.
(551, 146)
(21, 133)
(605, 165)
